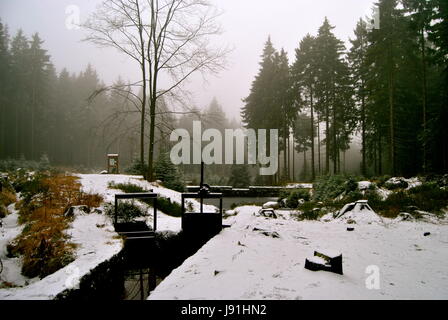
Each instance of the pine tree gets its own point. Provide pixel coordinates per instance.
(284, 103)
(392, 86)
(19, 91)
(38, 61)
(259, 105)
(303, 135)
(359, 71)
(261, 109)
(331, 90)
(168, 173)
(239, 176)
(5, 69)
(303, 74)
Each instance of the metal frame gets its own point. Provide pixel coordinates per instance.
(202, 197)
(141, 195)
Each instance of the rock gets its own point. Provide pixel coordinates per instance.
(396, 183)
(274, 234)
(427, 234)
(283, 203)
(411, 208)
(76, 210)
(268, 213)
(404, 216)
(271, 205)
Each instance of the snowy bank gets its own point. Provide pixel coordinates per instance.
(248, 261)
(96, 242)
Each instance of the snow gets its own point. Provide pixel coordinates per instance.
(97, 183)
(300, 185)
(11, 266)
(92, 232)
(240, 263)
(364, 185)
(359, 212)
(317, 260)
(383, 193)
(271, 204)
(412, 182)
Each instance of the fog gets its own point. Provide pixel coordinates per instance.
(246, 26)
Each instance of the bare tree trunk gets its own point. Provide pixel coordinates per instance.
(391, 123)
(424, 99)
(327, 136)
(318, 143)
(144, 98)
(293, 157)
(363, 129)
(313, 170)
(380, 156)
(285, 155)
(305, 169)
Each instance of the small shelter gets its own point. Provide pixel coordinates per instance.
(112, 163)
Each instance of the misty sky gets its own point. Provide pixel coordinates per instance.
(246, 24)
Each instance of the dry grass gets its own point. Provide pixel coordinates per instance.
(44, 245)
(7, 197)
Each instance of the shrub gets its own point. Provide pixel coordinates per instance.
(127, 187)
(351, 185)
(168, 207)
(329, 187)
(10, 165)
(168, 173)
(394, 204)
(239, 176)
(310, 211)
(380, 181)
(292, 199)
(429, 197)
(137, 168)
(126, 211)
(163, 204)
(394, 186)
(7, 197)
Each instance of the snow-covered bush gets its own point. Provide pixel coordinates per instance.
(396, 183)
(293, 197)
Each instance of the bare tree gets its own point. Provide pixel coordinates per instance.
(169, 39)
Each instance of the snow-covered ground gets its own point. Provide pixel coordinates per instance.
(98, 183)
(258, 257)
(96, 242)
(249, 261)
